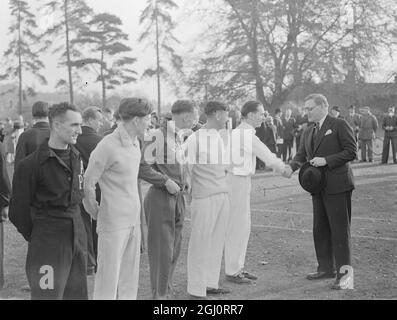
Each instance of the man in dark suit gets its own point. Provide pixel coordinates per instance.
(4, 201)
(86, 143)
(31, 139)
(389, 124)
(330, 145)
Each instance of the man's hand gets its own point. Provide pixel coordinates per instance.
(92, 207)
(172, 187)
(318, 162)
(4, 214)
(287, 172)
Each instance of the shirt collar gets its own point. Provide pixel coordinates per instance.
(246, 125)
(320, 123)
(45, 152)
(125, 138)
(41, 125)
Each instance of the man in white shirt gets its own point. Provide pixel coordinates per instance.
(114, 164)
(207, 166)
(244, 142)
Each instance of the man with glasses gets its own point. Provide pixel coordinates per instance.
(329, 144)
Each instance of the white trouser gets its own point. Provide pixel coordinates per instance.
(118, 264)
(207, 239)
(239, 226)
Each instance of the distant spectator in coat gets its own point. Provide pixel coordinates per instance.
(368, 127)
(31, 139)
(353, 119)
(300, 125)
(280, 131)
(270, 134)
(335, 112)
(107, 124)
(288, 135)
(389, 124)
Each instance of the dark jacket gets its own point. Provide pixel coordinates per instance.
(165, 161)
(270, 135)
(300, 124)
(336, 143)
(30, 140)
(260, 132)
(280, 127)
(354, 121)
(86, 143)
(4, 181)
(368, 127)
(390, 121)
(289, 128)
(43, 185)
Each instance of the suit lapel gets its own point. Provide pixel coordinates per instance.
(324, 128)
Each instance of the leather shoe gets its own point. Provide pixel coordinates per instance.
(214, 291)
(239, 279)
(248, 275)
(320, 275)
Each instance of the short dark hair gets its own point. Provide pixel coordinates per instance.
(352, 107)
(336, 108)
(277, 111)
(90, 113)
(248, 107)
(59, 110)
(40, 109)
(134, 107)
(183, 106)
(213, 106)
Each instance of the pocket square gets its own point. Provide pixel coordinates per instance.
(328, 132)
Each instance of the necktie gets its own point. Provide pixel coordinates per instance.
(315, 132)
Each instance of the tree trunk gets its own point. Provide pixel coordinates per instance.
(68, 52)
(20, 97)
(158, 62)
(103, 82)
(260, 94)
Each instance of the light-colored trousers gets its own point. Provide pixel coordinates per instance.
(239, 226)
(118, 264)
(207, 240)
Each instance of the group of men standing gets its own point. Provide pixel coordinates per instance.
(76, 198)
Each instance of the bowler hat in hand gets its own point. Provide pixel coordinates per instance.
(312, 179)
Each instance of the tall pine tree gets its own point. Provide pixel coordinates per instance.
(74, 16)
(20, 55)
(158, 31)
(108, 40)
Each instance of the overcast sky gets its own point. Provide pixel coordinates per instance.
(129, 11)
